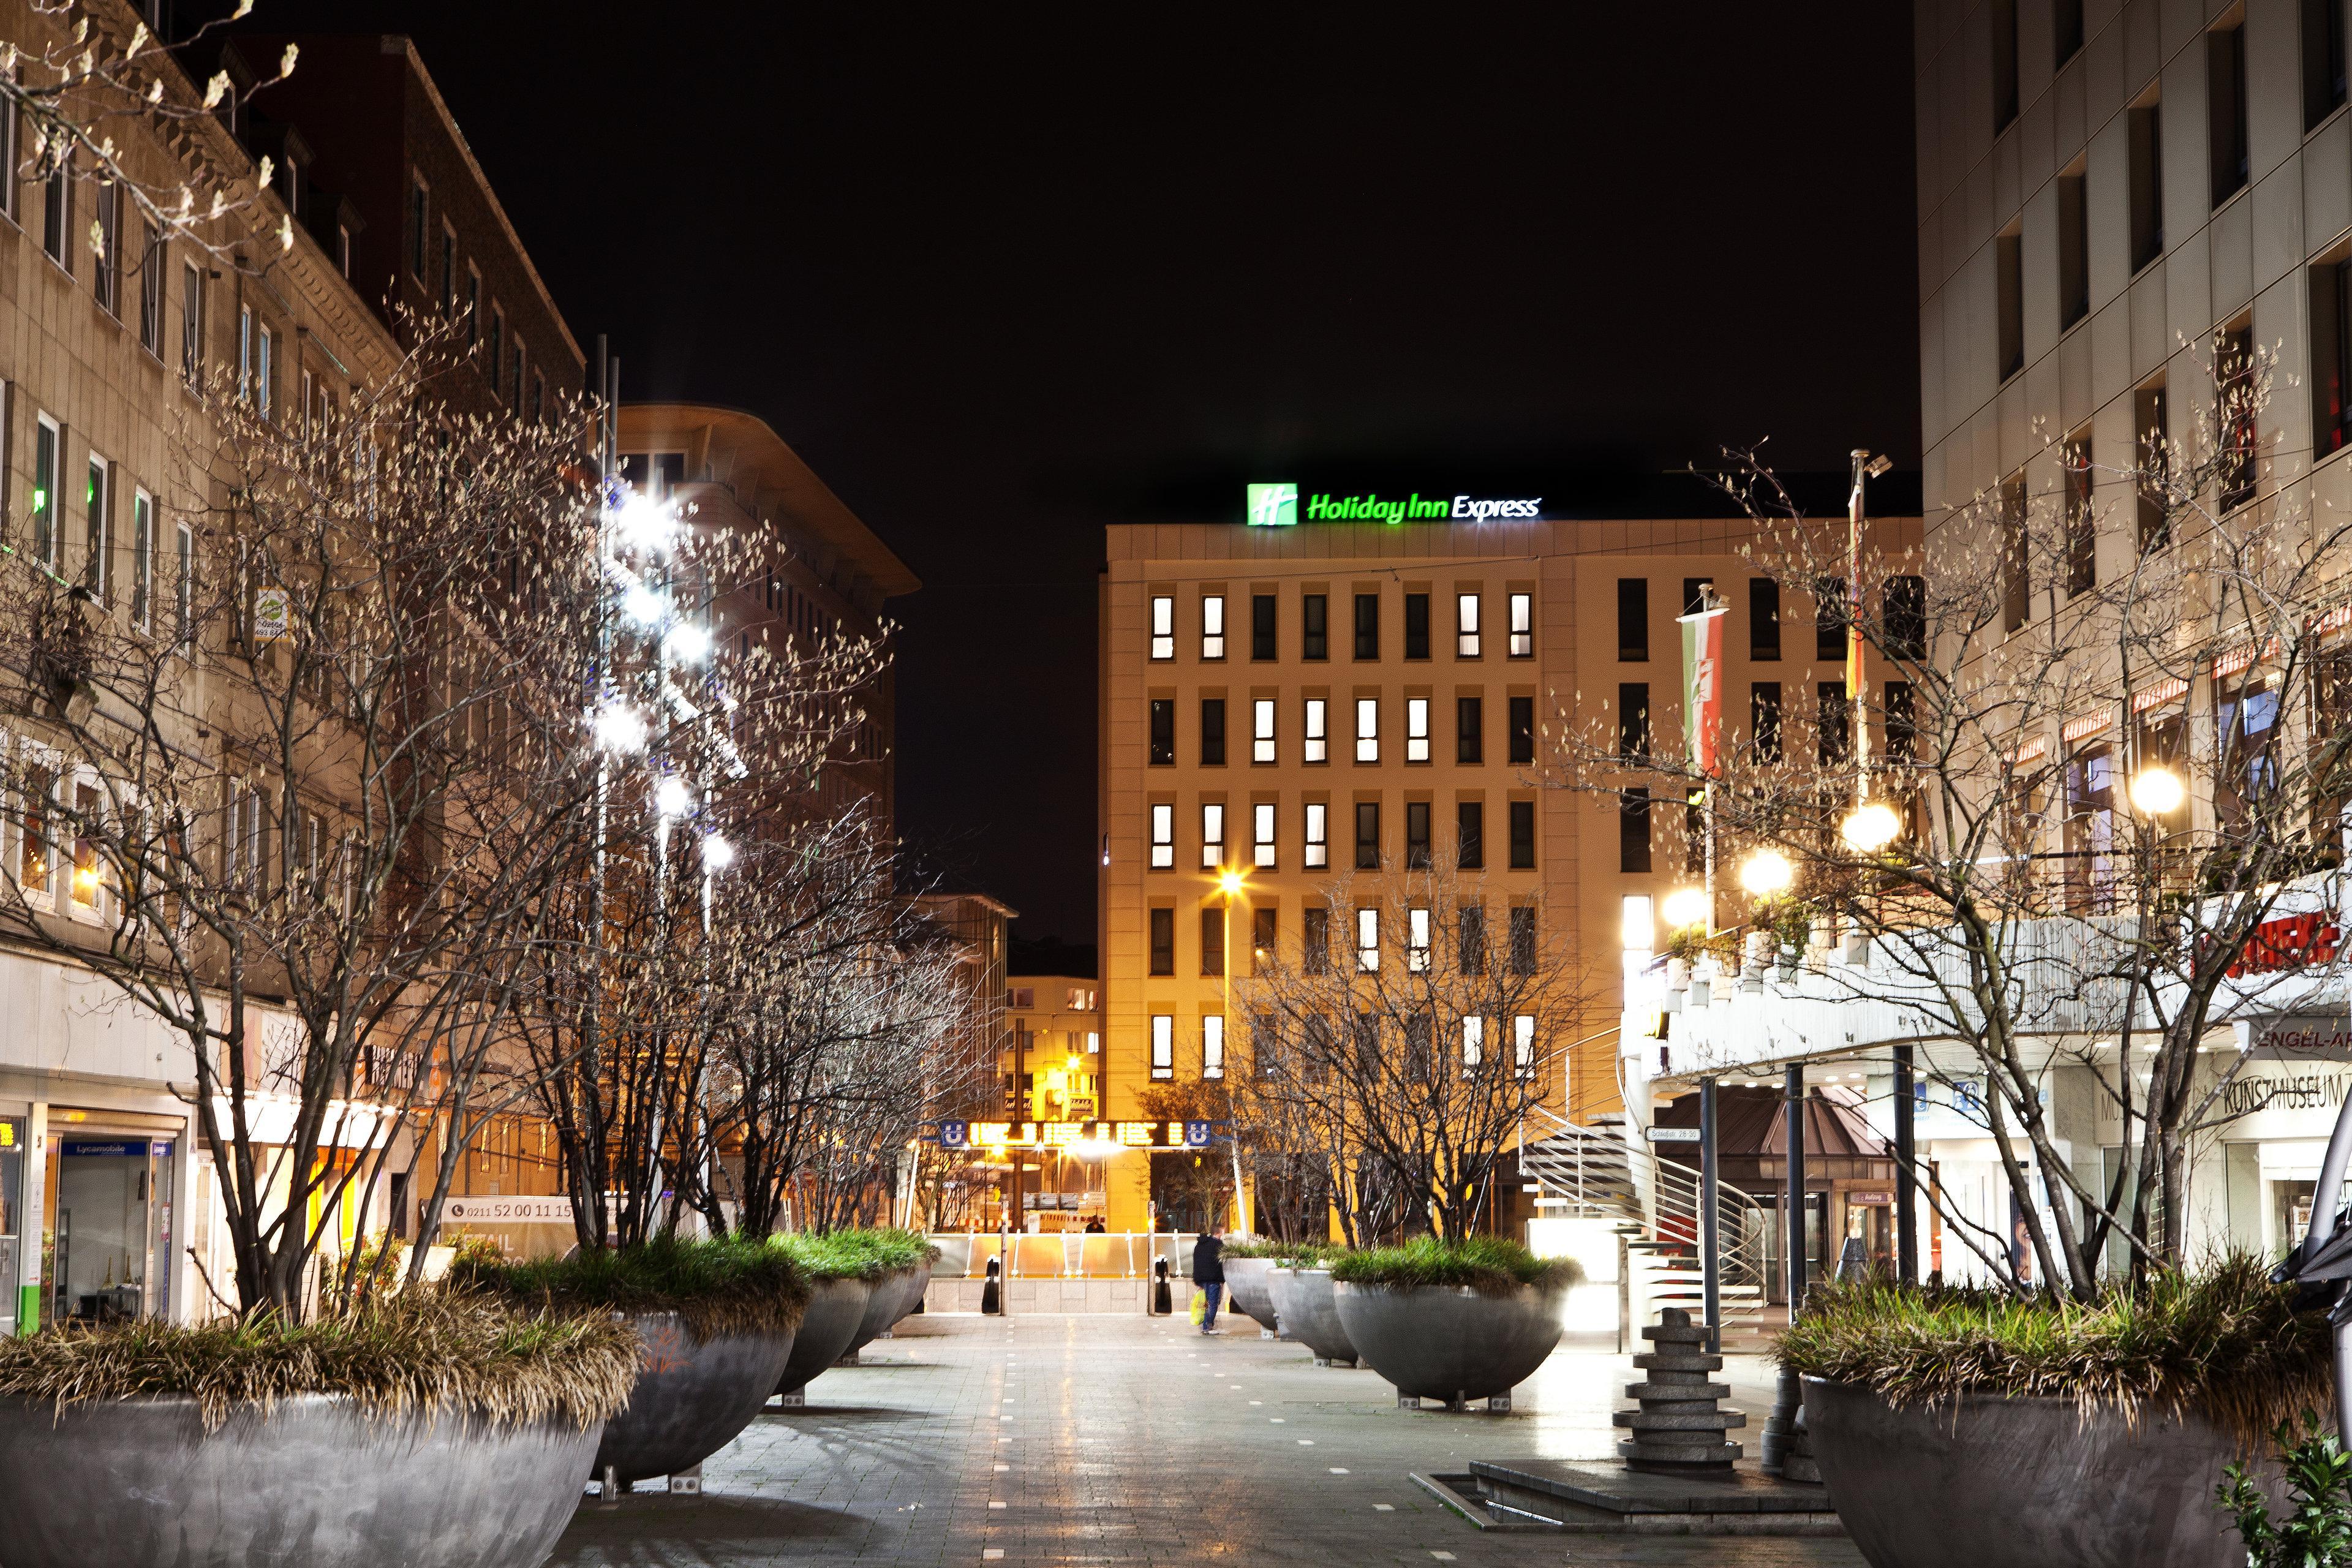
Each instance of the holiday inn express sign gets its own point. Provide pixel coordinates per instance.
(1278, 505)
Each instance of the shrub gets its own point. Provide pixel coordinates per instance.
(1308, 1254)
(717, 1285)
(1490, 1265)
(2225, 1343)
(420, 1351)
(2317, 1529)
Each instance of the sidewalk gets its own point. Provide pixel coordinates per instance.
(1131, 1440)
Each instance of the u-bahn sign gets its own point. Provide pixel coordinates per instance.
(986, 1135)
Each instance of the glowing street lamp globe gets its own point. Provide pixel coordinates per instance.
(1686, 907)
(1229, 883)
(671, 797)
(2158, 792)
(718, 851)
(1766, 873)
(621, 728)
(1871, 826)
(644, 606)
(687, 644)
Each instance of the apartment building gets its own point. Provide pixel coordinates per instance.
(1051, 1069)
(812, 572)
(1309, 706)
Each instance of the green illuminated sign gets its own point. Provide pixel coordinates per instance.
(1278, 505)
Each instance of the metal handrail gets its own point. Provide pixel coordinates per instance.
(1660, 1194)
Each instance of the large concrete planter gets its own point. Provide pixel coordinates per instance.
(2024, 1483)
(918, 1284)
(1246, 1283)
(317, 1483)
(690, 1399)
(835, 1308)
(894, 1296)
(1449, 1341)
(1302, 1300)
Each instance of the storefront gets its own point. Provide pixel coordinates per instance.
(109, 1216)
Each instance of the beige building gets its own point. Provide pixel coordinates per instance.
(1302, 704)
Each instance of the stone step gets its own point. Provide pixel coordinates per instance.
(1677, 1421)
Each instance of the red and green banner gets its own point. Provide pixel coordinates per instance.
(1702, 687)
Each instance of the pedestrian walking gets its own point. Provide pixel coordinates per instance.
(1209, 1274)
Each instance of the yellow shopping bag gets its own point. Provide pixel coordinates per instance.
(1200, 1305)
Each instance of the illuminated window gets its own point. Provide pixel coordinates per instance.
(1163, 626)
(1163, 837)
(1368, 941)
(1367, 729)
(47, 441)
(1416, 729)
(1212, 626)
(1317, 741)
(97, 545)
(1262, 835)
(1466, 626)
(1318, 827)
(1213, 835)
(1163, 1045)
(1523, 1044)
(1262, 730)
(1523, 625)
(1212, 1046)
(1474, 1043)
(1416, 942)
(142, 559)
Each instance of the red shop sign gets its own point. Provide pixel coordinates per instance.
(2290, 941)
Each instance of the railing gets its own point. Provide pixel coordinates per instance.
(1074, 1254)
(1601, 1172)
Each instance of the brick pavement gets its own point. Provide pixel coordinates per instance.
(1134, 1441)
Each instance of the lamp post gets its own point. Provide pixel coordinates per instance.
(1230, 883)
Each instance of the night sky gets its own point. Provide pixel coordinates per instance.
(1004, 274)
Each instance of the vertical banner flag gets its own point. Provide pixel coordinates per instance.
(1853, 632)
(1702, 684)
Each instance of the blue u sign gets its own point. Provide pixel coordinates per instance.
(954, 1134)
(1196, 1134)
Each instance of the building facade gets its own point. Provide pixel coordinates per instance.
(1308, 707)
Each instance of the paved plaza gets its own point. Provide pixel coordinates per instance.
(1113, 1439)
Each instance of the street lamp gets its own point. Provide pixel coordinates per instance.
(1686, 907)
(686, 643)
(2157, 791)
(671, 797)
(1766, 873)
(645, 523)
(718, 851)
(1870, 827)
(621, 728)
(642, 605)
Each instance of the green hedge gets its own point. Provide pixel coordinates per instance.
(2225, 1342)
(718, 1285)
(856, 1254)
(1488, 1264)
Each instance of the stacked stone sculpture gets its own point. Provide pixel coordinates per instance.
(1679, 1430)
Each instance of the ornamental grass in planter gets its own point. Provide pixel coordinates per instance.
(1247, 1262)
(424, 1430)
(843, 1271)
(1298, 1288)
(897, 1265)
(1959, 1426)
(716, 1318)
(1457, 1320)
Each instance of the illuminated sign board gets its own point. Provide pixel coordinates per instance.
(991, 1135)
(1279, 506)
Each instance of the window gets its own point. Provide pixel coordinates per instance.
(519, 361)
(1317, 743)
(2004, 64)
(1213, 939)
(183, 588)
(1315, 940)
(47, 441)
(1474, 1043)
(1633, 830)
(1262, 730)
(1163, 1045)
(265, 375)
(2225, 109)
(98, 554)
(2017, 585)
(1523, 940)
(2235, 397)
(1164, 732)
(1163, 837)
(1368, 941)
(151, 289)
(1213, 626)
(12, 154)
(1261, 836)
(1763, 618)
(244, 352)
(1416, 942)
(1367, 626)
(1523, 836)
(142, 559)
(2082, 527)
(1163, 626)
(1633, 721)
(2090, 829)
(33, 841)
(192, 321)
(1213, 835)
(1416, 729)
(57, 218)
(1829, 619)
(1212, 1045)
(1637, 926)
(2323, 59)
(1313, 626)
(1466, 626)
(1213, 732)
(1417, 625)
(1473, 952)
(1469, 729)
(1163, 942)
(2010, 302)
(1416, 836)
(106, 260)
(2153, 427)
(1901, 722)
(473, 306)
(497, 355)
(1833, 740)
(538, 397)
(307, 402)
(1523, 1044)
(2245, 721)
(2147, 183)
(1764, 719)
(419, 233)
(1907, 617)
(1523, 625)
(1470, 835)
(1367, 836)
(2065, 30)
(1319, 834)
(1523, 729)
(1261, 626)
(449, 270)
(1262, 940)
(1633, 619)
(2073, 251)
(1367, 729)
